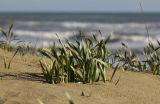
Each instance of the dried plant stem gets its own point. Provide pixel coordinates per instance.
(146, 26)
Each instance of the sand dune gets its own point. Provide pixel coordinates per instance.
(133, 88)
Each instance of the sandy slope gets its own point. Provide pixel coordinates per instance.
(23, 84)
(133, 88)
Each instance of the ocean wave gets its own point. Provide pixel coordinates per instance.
(49, 37)
(41, 37)
(42, 34)
(125, 28)
(75, 24)
(134, 33)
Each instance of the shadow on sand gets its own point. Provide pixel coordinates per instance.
(22, 76)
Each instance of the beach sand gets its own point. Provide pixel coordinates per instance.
(133, 88)
(23, 84)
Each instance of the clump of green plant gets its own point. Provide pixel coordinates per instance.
(83, 61)
(6, 43)
(59, 69)
(127, 59)
(130, 61)
(23, 48)
(7, 39)
(90, 58)
(152, 59)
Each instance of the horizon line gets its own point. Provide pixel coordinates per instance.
(79, 12)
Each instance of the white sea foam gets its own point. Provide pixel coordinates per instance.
(45, 31)
(75, 24)
(41, 37)
(42, 34)
(48, 37)
(120, 27)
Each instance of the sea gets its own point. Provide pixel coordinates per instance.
(40, 29)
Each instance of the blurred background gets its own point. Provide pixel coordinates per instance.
(128, 21)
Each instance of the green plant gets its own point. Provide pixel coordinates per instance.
(47, 70)
(152, 59)
(83, 61)
(90, 58)
(127, 58)
(7, 65)
(7, 38)
(61, 60)
(23, 48)
(130, 61)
